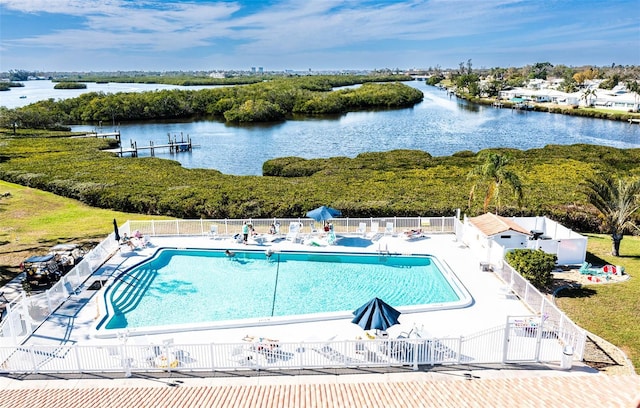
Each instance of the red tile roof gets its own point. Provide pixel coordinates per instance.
(588, 390)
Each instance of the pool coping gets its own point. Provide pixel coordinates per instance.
(97, 332)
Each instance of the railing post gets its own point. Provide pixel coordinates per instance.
(32, 354)
(26, 315)
(77, 355)
(212, 346)
(12, 329)
(49, 305)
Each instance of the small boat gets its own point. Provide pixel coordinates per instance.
(23, 97)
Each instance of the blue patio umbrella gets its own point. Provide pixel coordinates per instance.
(375, 315)
(115, 230)
(323, 213)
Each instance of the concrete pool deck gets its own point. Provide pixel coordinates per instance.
(73, 322)
(480, 386)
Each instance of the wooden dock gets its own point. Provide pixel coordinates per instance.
(174, 146)
(115, 135)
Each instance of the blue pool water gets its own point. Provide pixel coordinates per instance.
(197, 286)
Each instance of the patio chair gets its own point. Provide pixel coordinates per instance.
(213, 232)
(294, 230)
(374, 233)
(362, 229)
(70, 291)
(389, 229)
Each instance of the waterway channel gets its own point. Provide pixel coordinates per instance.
(440, 125)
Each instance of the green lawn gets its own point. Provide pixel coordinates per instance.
(611, 311)
(32, 221)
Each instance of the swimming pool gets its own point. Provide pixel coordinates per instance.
(198, 289)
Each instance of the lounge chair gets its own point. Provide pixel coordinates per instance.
(374, 234)
(389, 229)
(362, 229)
(413, 233)
(213, 232)
(294, 230)
(330, 239)
(588, 269)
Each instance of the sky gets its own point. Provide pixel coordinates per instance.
(318, 35)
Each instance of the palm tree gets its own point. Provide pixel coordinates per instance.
(617, 201)
(587, 95)
(494, 173)
(634, 87)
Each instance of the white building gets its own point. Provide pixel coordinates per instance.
(490, 236)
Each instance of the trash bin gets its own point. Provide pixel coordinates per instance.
(567, 358)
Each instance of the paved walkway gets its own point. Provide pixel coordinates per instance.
(436, 387)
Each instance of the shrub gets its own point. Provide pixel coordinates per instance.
(534, 265)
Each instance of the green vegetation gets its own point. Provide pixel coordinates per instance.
(610, 310)
(5, 86)
(69, 85)
(268, 101)
(493, 172)
(32, 221)
(534, 265)
(617, 201)
(402, 182)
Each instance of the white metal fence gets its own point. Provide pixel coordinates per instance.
(230, 227)
(25, 314)
(486, 347)
(567, 332)
(543, 341)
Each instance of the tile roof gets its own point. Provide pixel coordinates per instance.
(588, 390)
(491, 224)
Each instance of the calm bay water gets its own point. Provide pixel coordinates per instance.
(34, 91)
(439, 125)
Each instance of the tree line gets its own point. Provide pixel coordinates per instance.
(273, 100)
(468, 80)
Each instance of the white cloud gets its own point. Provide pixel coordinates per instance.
(317, 30)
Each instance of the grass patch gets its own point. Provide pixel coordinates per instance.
(32, 221)
(610, 311)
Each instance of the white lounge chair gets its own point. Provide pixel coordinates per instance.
(374, 234)
(294, 230)
(362, 229)
(213, 232)
(389, 230)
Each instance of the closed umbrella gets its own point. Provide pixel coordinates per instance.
(323, 213)
(115, 230)
(376, 315)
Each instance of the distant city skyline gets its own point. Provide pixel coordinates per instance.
(318, 35)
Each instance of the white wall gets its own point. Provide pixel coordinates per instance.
(569, 246)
